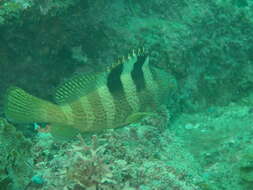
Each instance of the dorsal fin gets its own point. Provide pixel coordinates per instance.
(124, 66)
(131, 56)
(82, 84)
(77, 86)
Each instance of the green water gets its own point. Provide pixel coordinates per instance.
(201, 141)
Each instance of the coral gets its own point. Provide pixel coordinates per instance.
(152, 159)
(206, 45)
(245, 166)
(89, 169)
(75, 166)
(220, 139)
(135, 157)
(15, 169)
(15, 9)
(12, 9)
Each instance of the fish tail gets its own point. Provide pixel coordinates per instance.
(21, 107)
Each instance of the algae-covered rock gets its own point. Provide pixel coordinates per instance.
(246, 165)
(15, 172)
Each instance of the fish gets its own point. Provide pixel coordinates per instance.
(123, 93)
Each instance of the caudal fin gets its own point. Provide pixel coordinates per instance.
(21, 107)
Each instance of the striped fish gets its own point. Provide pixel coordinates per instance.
(122, 94)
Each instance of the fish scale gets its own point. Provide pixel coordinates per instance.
(120, 95)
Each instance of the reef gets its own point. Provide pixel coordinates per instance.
(15, 157)
(203, 142)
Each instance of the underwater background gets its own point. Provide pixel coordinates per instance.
(203, 140)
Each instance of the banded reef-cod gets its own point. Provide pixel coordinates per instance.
(123, 93)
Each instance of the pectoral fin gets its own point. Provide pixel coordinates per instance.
(136, 117)
(63, 132)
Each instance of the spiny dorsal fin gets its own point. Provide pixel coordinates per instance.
(77, 86)
(131, 56)
(82, 84)
(124, 66)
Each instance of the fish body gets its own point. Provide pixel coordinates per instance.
(124, 93)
